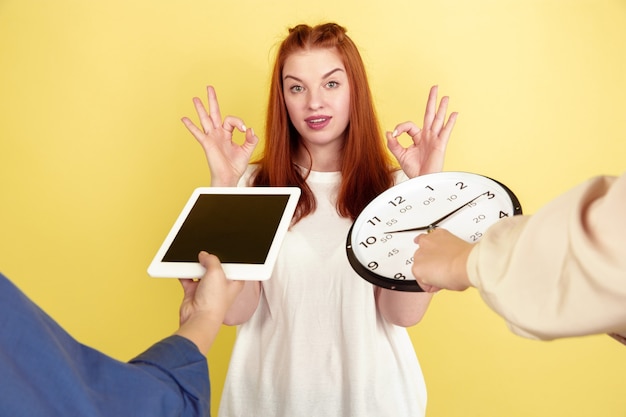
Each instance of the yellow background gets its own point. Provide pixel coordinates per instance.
(95, 163)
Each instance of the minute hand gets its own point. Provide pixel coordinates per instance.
(436, 222)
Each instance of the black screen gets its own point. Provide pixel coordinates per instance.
(235, 228)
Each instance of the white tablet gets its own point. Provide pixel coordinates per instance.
(243, 226)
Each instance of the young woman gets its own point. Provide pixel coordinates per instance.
(316, 339)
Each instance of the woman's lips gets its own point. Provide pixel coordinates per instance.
(317, 122)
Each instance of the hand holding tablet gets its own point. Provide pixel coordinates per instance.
(243, 226)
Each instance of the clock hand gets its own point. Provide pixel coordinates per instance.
(436, 222)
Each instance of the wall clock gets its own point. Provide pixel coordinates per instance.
(380, 244)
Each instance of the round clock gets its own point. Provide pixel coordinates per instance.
(380, 244)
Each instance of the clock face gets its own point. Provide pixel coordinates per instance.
(380, 244)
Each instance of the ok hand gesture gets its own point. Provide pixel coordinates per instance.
(227, 159)
(425, 155)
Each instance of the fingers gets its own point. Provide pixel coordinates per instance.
(251, 142)
(213, 119)
(209, 261)
(189, 287)
(417, 268)
(205, 121)
(211, 124)
(394, 145)
(407, 127)
(195, 131)
(435, 118)
(232, 122)
(440, 115)
(447, 129)
(431, 107)
(434, 235)
(214, 107)
(187, 283)
(428, 287)
(419, 278)
(216, 285)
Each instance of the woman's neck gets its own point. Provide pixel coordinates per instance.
(321, 159)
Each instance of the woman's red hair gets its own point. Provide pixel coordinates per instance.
(366, 166)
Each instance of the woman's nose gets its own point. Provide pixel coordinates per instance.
(315, 100)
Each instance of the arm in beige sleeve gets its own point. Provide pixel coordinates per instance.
(562, 271)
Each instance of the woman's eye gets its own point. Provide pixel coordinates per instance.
(332, 84)
(296, 89)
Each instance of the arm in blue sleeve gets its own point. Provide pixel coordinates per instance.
(47, 372)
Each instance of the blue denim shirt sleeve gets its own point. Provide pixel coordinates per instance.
(46, 372)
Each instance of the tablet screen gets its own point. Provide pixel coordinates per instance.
(235, 228)
(243, 226)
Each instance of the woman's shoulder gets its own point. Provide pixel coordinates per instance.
(248, 176)
(398, 176)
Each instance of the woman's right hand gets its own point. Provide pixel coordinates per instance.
(227, 160)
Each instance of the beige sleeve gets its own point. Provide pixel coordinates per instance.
(562, 271)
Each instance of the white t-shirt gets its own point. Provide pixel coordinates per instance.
(316, 345)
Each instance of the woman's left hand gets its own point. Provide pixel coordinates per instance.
(425, 155)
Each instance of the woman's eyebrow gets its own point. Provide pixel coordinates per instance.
(328, 74)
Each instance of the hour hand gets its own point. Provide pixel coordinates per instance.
(436, 222)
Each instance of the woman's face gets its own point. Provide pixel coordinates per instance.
(317, 96)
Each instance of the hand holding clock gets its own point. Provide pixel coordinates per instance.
(440, 262)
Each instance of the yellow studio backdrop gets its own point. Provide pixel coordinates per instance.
(95, 163)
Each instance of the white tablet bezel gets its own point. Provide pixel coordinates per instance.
(237, 271)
